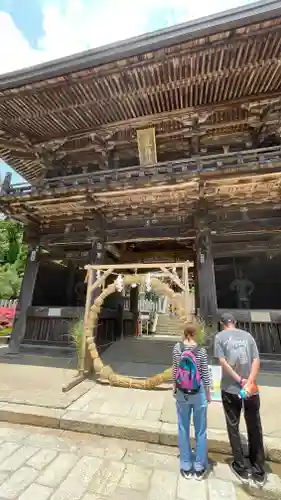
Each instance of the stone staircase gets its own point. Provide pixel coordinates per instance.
(146, 355)
(168, 325)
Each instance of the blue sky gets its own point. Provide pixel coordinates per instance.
(4, 168)
(34, 31)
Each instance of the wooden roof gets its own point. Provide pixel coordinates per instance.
(218, 77)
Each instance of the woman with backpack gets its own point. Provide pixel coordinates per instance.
(192, 384)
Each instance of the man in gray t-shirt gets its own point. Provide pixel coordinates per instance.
(239, 357)
(240, 350)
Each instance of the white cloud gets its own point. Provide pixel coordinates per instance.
(84, 24)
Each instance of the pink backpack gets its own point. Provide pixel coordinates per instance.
(188, 377)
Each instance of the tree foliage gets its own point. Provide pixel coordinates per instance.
(13, 254)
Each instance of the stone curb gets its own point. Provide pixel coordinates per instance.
(30, 415)
(119, 427)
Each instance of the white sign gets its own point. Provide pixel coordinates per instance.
(215, 372)
(260, 317)
(144, 316)
(55, 312)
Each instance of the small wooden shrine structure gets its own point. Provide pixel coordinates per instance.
(163, 147)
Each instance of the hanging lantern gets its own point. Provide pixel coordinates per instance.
(119, 283)
(148, 283)
(134, 285)
(33, 254)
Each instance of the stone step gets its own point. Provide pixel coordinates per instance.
(163, 319)
(168, 325)
(163, 328)
(171, 333)
(166, 317)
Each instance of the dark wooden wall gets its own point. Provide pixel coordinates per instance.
(55, 308)
(263, 271)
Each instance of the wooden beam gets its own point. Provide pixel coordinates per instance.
(222, 249)
(159, 256)
(136, 265)
(267, 225)
(149, 234)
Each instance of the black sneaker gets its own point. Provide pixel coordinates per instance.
(243, 475)
(200, 474)
(187, 474)
(259, 479)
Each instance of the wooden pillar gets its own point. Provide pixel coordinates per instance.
(206, 278)
(134, 307)
(70, 282)
(96, 256)
(186, 295)
(120, 317)
(25, 300)
(196, 287)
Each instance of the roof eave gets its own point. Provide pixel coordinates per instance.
(231, 19)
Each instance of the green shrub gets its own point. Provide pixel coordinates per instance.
(204, 333)
(77, 334)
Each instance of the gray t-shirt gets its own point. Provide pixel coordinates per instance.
(240, 350)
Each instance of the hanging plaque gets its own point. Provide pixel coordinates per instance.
(147, 146)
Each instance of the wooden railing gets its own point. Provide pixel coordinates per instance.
(52, 326)
(12, 304)
(265, 326)
(248, 159)
(47, 326)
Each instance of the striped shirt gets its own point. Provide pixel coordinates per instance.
(202, 362)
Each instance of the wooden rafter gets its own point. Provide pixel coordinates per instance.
(166, 90)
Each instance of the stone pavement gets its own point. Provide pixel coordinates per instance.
(47, 464)
(137, 415)
(31, 393)
(37, 380)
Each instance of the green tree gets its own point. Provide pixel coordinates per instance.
(10, 282)
(13, 254)
(14, 235)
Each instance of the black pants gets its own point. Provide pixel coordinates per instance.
(232, 406)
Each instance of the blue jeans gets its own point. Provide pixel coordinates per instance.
(196, 404)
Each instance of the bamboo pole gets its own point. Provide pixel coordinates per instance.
(175, 279)
(99, 282)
